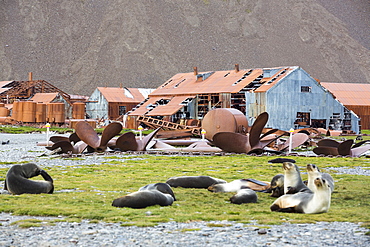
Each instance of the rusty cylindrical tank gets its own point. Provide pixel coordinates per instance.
(40, 113)
(78, 110)
(55, 113)
(4, 112)
(15, 110)
(224, 120)
(29, 111)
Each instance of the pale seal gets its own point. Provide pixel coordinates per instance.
(313, 173)
(306, 202)
(292, 179)
(17, 180)
(239, 184)
(199, 182)
(244, 196)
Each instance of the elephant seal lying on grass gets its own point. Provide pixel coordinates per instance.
(17, 180)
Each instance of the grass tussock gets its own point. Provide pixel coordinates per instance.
(87, 192)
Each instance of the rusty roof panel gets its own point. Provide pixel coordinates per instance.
(170, 108)
(350, 93)
(143, 108)
(124, 95)
(217, 82)
(271, 81)
(44, 97)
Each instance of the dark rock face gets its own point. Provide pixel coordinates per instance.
(79, 45)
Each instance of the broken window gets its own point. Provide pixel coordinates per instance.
(305, 89)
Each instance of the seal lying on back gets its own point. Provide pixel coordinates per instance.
(277, 186)
(313, 173)
(239, 184)
(199, 182)
(149, 195)
(292, 179)
(244, 196)
(17, 180)
(306, 202)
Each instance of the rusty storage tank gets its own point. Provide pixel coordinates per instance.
(40, 113)
(4, 112)
(224, 120)
(78, 110)
(55, 113)
(29, 111)
(17, 111)
(2, 104)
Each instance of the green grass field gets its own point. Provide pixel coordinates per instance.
(86, 192)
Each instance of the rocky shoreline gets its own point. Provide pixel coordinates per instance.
(22, 147)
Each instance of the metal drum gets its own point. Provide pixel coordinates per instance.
(4, 112)
(40, 113)
(55, 113)
(78, 110)
(28, 111)
(224, 120)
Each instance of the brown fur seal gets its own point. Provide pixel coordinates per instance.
(17, 180)
(306, 202)
(143, 199)
(281, 160)
(313, 173)
(199, 182)
(277, 186)
(244, 196)
(292, 179)
(239, 184)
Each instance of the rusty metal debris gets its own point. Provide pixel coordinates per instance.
(346, 148)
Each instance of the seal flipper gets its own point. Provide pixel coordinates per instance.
(48, 178)
(5, 187)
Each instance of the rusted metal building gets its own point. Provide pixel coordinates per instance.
(290, 95)
(112, 102)
(354, 96)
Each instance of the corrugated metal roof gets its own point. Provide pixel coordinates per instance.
(4, 83)
(228, 81)
(125, 95)
(170, 108)
(143, 108)
(349, 93)
(44, 97)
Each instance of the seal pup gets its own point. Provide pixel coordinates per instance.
(143, 199)
(245, 195)
(313, 173)
(277, 186)
(292, 179)
(306, 202)
(162, 187)
(239, 184)
(198, 182)
(17, 180)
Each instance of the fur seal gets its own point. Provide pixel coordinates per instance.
(244, 196)
(281, 160)
(143, 199)
(198, 182)
(306, 202)
(277, 186)
(292, 179)
(162, 187)
(239, 184)
(313, 173)
(17, 180)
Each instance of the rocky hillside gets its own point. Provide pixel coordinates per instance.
(79, 45)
